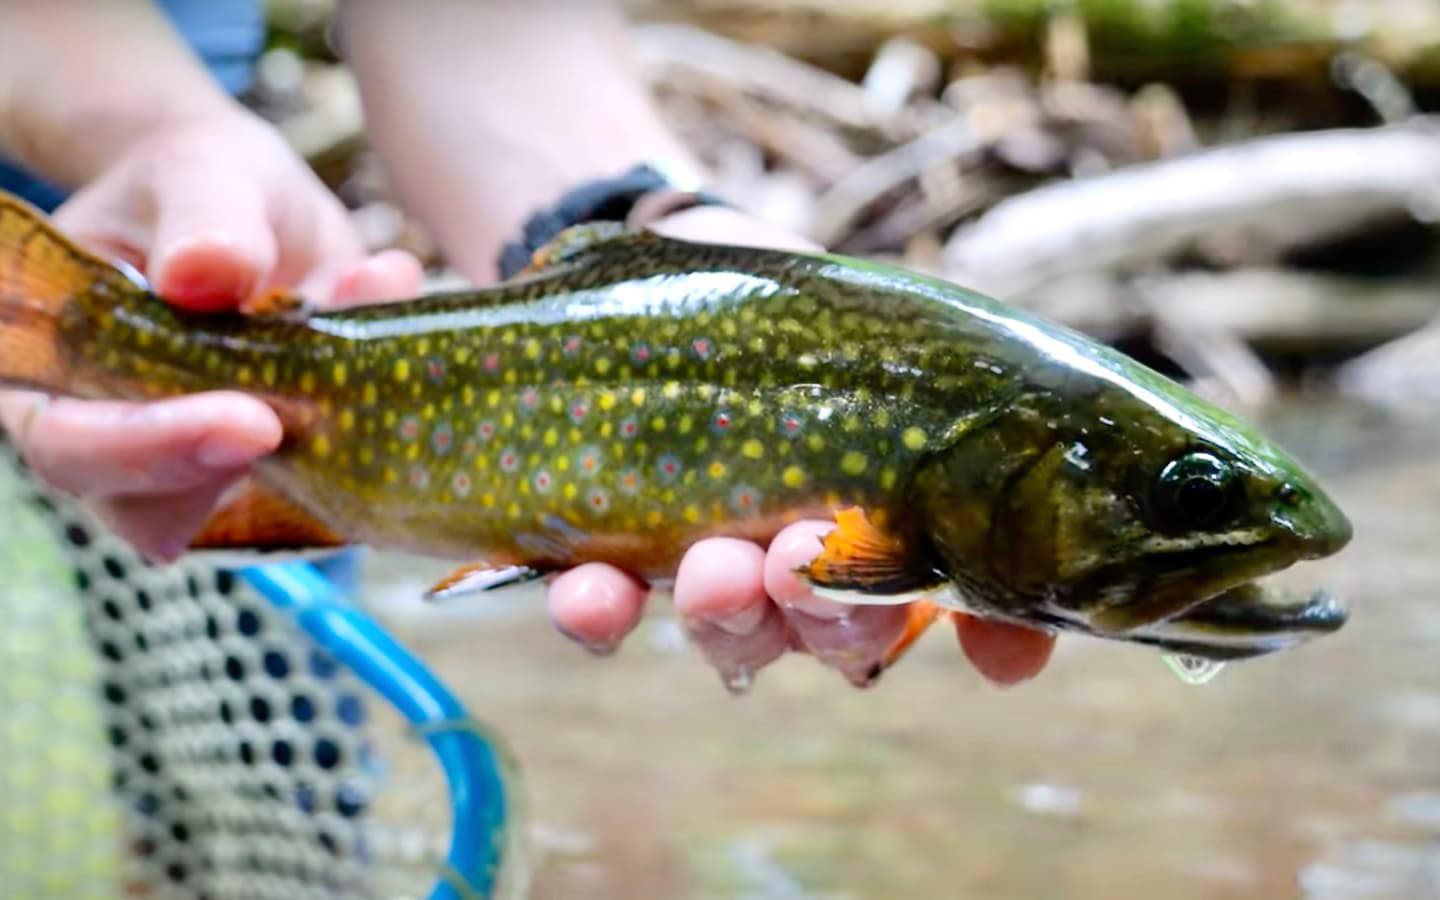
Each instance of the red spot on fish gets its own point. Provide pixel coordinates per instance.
(722, 420)
(791, 424)
(409, 428)
(419, 477)
(461, 483)
(492, 362)
(508, 461)
(578, 412)
(542, 481)
(701, 347)
(641, 353)
(442, 440)
(530, 398)
(629, 427)
(572, 345)
(435, 369)
(487, 429)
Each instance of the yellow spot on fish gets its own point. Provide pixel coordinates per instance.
(347, 419)
(391, 476)
(244, 375)
(637, 396)
(882, 418)
(606, 400)
(461, 356)
(717, 470)
(602, 365)
(268, 372)
(366, 455)
(914, 438)
(685, 424)
(492, 399)
(671, 390)
(422, 346)
(562, 463)
(815, 442)
(532, 349)
(551, 438)
(487, 499)
(467, 395)
(691, 514)
(658, 423)
(320, 446)
(569, 491)
(513, 510)
(794, 477)
(369, 394)
(755, 407)
(402, 369)
(852, 423)
(853, 463)
(887, 478)
(606, 429)
(307, 381)
(654, 518)
(753, 449)
(338, 374)
(557, 405)
(412, 452)
(507, 420)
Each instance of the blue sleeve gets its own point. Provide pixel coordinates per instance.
(227, 35)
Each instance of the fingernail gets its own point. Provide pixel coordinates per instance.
(741, 622)
(226, 453)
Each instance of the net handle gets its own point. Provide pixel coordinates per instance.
(472, 765)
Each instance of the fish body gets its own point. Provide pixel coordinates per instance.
(636, 394)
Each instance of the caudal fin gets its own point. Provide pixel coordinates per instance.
(42, 272)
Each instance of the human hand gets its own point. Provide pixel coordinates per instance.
(742, 604)
(214, 210)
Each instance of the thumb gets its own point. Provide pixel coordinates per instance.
(214, 245)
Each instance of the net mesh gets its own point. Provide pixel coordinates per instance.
(166, 733)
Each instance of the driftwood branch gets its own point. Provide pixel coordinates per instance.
(1287, 189)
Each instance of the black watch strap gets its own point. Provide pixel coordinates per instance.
(602, 200)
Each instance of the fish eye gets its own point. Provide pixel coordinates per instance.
(1195, 491)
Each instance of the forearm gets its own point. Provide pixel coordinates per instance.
(487, 109)
(82, 80)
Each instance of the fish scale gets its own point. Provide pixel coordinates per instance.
(632, 395)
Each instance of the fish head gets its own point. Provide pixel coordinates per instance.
(1139, 511)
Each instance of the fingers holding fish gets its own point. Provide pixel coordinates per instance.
(720, 596)
(1005, 654)
(150, 448)
(160, 526)
(853, 640)
(596, 605)
(388, 275)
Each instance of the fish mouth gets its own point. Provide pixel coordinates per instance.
(1252, 619)
(1167, 585)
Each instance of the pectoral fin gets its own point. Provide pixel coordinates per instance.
(253, 523)
(274, 303)
(920, 616)
(481, 578)
(861, 564)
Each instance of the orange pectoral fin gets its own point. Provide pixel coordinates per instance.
(858, 557)
(920, 615)
(254, 517)
(276, 302)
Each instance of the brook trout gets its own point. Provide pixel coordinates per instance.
(632, 394)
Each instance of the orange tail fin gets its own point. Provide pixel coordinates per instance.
(42, 272)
